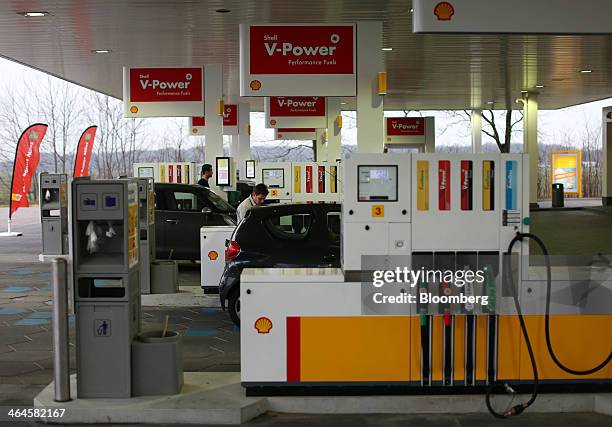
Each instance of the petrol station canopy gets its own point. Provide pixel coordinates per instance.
(426, 71)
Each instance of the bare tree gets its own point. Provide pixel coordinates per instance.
(16, 113)
(174, 143)
(118, 140)
(500, 133)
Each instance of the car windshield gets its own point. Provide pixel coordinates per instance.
(218, 202)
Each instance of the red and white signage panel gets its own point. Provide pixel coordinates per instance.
(230, 119)
(295, 134)
(298, 60)
(197, 125)
(163, 91)
(295, 112)
(408, 130)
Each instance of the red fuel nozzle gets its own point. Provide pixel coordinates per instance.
(447, 318)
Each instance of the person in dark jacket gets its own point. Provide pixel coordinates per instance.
(205, 175)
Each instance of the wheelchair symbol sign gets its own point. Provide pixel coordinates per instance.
(102, 328)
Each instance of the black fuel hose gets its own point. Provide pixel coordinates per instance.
(521, 407)
(517, 409)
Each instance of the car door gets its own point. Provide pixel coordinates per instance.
(162, 249)
(218, 211)
(294, 238)
(331, 227)
(184, 221)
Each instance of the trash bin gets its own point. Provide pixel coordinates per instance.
(157, 364)
(164, 277)
(557, 196)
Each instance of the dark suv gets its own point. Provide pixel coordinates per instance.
(180, 211)
(304, 235)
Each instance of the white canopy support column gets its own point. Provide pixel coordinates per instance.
(334, 132)
(244, 138)
(213, 92)
(320, 146)
(369, 103)
(476, 125)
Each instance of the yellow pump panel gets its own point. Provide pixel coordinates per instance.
(580, 342)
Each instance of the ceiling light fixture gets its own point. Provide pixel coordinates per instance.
(586, 71)
(490, 102)
(101, 51)
(33, 14)
(524, 91)
(387, 49)
(343, 103)
(539, 86)
(223, 11)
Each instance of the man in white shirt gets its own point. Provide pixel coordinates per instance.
(257, 198)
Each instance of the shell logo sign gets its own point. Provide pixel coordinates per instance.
(444, 11)
(255, 84)
(213, 255)
(263, 325)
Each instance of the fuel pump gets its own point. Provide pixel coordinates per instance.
(146, 221)
(456, 213)
(54, 213)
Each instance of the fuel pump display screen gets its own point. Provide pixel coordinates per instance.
(145, 172)
(377, 183)
(273, 178)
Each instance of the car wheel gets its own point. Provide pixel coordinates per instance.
(233, 306)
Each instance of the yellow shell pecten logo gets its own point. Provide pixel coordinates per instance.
(263, 325)
(444, 11)
(255, 84)
(213, 255)
(133, 109)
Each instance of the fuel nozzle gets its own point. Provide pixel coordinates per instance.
(422, 306)
(491, 288)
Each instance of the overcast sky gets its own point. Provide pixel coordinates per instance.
(553, 124)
